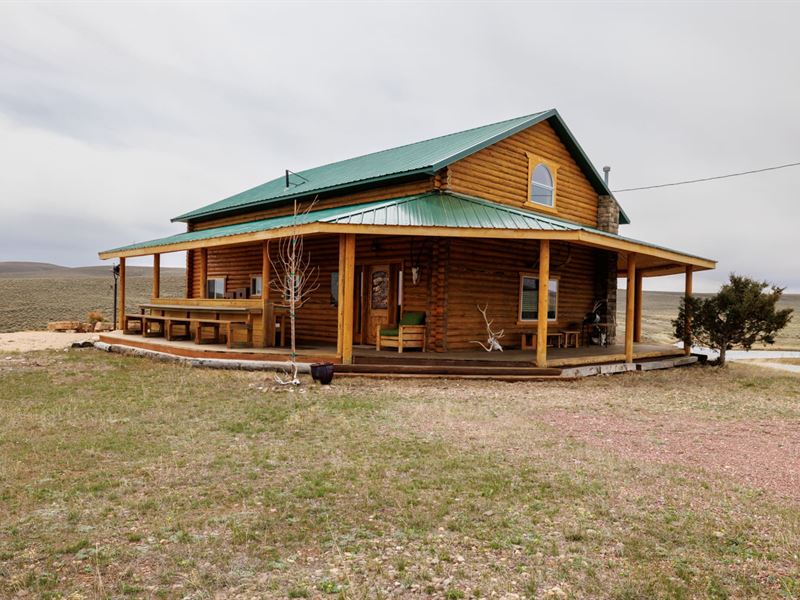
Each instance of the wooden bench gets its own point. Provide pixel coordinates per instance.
(215, 325)
(144, 325)
(166, 327)
(555, 339)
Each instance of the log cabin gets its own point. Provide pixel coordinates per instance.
(409, 246)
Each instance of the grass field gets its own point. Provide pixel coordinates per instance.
(29, 303)
(124, 477)
(660, 308)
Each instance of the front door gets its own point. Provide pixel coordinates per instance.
(378, 288)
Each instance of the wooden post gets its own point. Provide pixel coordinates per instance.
(630, 301)
(121, 292)
(687, 338)
(203, 272)
(637, 309)
(267, 308)
(544, 288)
(347, 270)
(156, 275)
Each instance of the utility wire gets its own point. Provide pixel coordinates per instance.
(662, 185)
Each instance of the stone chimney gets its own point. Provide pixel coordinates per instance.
(607, 214)
(606, 265)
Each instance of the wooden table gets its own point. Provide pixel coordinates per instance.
(554, 339)
(217, 311)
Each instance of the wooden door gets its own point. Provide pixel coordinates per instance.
(378, 292)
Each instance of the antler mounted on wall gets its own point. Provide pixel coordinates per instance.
(492, 343)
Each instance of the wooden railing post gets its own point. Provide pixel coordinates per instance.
(637, 309)
(121, 292)
(544, 289)
(347, 270)
(267, 307)
(630, 301)
(156, 275)
(203, 272)
(687, 338)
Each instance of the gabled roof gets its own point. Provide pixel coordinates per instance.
(419, 158)
(438, 211)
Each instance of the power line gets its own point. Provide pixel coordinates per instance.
(662, 185)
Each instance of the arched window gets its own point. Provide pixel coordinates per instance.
(542, 185)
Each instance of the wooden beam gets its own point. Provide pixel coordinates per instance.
(121, 306)
(687, 341)
(544, 288)
(630, 301)
(588, 238)
(203, 272)
(267, 308)
(156, 275)
(347, 270)
(637, 308)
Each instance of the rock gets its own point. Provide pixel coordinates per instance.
(63, 325)
(103, 326)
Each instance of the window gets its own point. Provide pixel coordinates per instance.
(255, 285)
(335, 288)
(542, 185)
(215, 287)
(529, 299)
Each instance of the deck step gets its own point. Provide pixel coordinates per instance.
(406, 359)
(492, 377)
(459, 368)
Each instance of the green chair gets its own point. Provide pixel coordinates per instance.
(409, 333)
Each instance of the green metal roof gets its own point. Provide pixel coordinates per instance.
(433, 209)
(419, 158)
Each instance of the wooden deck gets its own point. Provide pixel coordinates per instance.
(367, 360)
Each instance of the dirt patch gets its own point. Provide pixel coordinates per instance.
(28, 341)
(759, 454)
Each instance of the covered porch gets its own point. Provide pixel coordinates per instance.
(440, 255)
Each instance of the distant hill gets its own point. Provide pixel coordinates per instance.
(23, 269)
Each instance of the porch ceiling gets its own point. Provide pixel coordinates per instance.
(443, 214)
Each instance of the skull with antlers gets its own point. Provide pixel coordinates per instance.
(492, 343)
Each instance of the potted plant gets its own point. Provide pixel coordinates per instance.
(322, 372)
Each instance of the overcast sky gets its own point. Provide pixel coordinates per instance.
(116, 117)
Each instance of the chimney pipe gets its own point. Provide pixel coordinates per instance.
(606, 170)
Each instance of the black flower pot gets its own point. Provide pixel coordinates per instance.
(322, 372)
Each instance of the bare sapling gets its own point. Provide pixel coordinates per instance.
(295, 281)
(492, 342)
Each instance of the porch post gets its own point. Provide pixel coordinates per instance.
(630, 301)
(121, 292)
(687, 338)
(156, 275)
(347, 269)
(637, 309)
(203, 272)
(267, 308)
(544, 288)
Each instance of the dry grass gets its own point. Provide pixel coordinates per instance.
(28, 303)
(125, 477)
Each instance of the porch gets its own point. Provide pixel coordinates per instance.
(368, 360)
(445, 257)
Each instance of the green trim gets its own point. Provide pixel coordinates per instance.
(433, 209)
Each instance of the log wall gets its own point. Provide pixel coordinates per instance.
(500, 173)
(487, 272)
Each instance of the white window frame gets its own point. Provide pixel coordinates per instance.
(550, 306)
(253, 279)
(215, 279)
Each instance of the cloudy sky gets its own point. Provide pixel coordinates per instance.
(116, 117)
